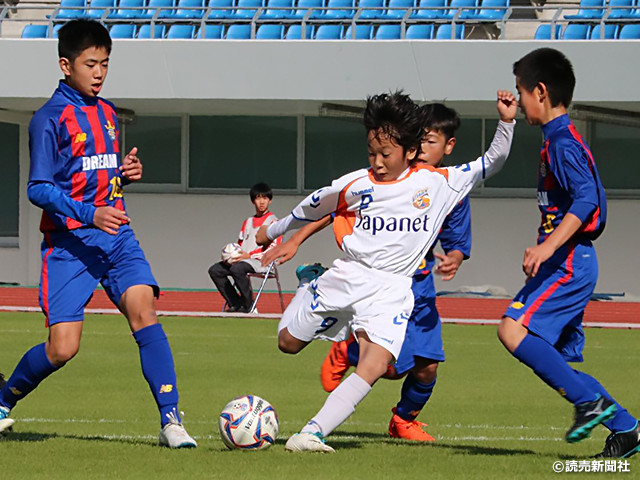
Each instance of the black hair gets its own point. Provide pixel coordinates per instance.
(77, 35)
(260, 189)
(551, 67)
(395, 115)
(440, 118)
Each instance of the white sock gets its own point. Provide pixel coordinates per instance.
(293, 307)
(340, 404)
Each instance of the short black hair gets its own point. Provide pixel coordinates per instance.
(396, 115)
(440, 118)
(77, 35)
(260, 189)
(551, 67)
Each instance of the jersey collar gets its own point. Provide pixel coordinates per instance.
(75, 96)
(554, 125)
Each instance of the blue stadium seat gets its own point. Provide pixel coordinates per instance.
(221, 9)
(270, 32)
(185, 9)
(375, 6)
(363, 32)
(56, 29)
(444, 32)
(588, 9)
(247, 8)
(455, 5)
(543, 32)
(630, 32)
(35, 31)
(304, 6)
(122, 31)
(145, 31)
(429, 4)
(238, 31)
(398, 8)
(623, 9)
(576, 31)
(98, 8)
(294, 32)
(610, 31)
(389, 31)
(419, 32)
(494, 10)
(338, 9)
(154, 5)
(328, 32)
(181, 31)
(129, 9)
(278, 9)
(70, 9)
(211, 31)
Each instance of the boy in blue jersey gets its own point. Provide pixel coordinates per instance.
(542, 328)
(76, 177)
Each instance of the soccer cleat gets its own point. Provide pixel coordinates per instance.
(408, 429)
(335, 365)
(622, 444)
(174, 435)
(588, 415)
(309, 271)
(5, 421)
(307, 442)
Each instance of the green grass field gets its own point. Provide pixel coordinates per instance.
(96, 418)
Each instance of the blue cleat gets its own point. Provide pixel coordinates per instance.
(589, 415)
(309, 271)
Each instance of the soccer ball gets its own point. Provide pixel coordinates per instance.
(248, 423)
(231, 252)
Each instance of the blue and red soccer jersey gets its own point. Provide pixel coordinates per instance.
(552, 303)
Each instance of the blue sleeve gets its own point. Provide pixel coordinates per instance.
(456, 229)
(43, 148)
(51, 199)
(571, 168)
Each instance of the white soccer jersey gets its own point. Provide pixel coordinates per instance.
(390, 226)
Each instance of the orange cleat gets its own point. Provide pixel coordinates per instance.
(335, 365)
(407, 429)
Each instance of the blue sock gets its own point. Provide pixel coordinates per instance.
(413, 398)
(158, 369)
(622, 421)
(548, 364)
(33, 368)
(353, 353)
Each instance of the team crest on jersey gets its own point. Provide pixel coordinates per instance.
(111, 130)
(421, 199)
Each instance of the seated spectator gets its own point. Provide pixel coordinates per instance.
(239, 297)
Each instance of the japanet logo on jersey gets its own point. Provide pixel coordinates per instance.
(98, 162)
(421, 199)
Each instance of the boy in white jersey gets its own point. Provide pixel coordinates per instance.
(386, 219)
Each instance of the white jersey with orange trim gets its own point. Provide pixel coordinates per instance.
(390, 226)
(247, 239)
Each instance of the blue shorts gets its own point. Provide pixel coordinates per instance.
(74, 262)
(552, 303)
(424, 331)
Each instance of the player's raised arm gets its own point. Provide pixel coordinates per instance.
(287, 250)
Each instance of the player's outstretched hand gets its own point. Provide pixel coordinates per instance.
(281, 253)
(507, 106)
(261, 237)
(534, 257)
(449, 264)
(131, 167)
(109, 219)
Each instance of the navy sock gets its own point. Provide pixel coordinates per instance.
(158, 369)
(33, 368)
(414, 397)
(622, 421)
(548, 364)
(353, 353)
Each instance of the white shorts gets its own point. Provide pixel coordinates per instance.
(351, 297)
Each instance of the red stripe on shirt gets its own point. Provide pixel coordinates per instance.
(78, 186)
(76, 135)
(595, 216)
(552, 288)
(102, 189)
(96, 129)
(45, 279)
(110, 115)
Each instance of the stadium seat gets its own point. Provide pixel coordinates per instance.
(221, 9)
(419, 32)
(623, 9)
(589, 9)
(363, 32)
(494, 10)
(576, 31)
(396, 9)
(630, 32)
(56, 29)
(70, 9)
(388, 32)
(122, 31)
(185, 9)
(610, 31)
(455, 5)
(129, 9)
(35, 31)
(543, 32)
(426, 6)
(211, 31)
(373, 9)
(304, 6)
(270, 32)
(99, 8)
(247, 8)
(278, 9)
(444, 32)
(328, 32)
(145, 31)
(338, 9)
(181, 31)
(157, 6)
(294, 32)
(238, 31)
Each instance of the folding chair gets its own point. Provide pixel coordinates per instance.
(272, 275)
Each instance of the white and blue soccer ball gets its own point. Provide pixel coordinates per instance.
(231, 252)
(248, 423)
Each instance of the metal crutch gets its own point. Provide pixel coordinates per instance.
(264, 281)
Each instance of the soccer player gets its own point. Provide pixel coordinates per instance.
(76, 177)
(542, 328)
(387, 218)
